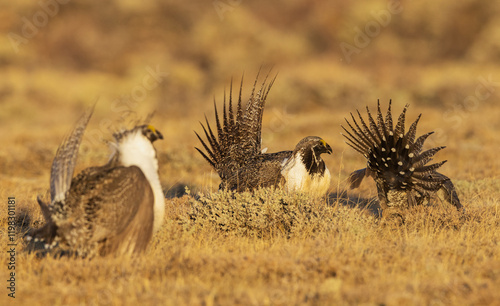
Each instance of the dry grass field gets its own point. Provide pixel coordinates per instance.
(267, 248)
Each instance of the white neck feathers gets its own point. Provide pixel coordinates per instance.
(135, 149)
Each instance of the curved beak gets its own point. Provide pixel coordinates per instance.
(328, 148)
(325, 147)
(159, 135)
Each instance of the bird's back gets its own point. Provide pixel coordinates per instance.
(107, 210)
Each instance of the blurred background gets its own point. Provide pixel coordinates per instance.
(173, 58)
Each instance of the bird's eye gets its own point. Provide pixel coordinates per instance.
(151, 128)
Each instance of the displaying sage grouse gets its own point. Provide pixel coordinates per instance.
(396, 161)
(237, 157)
(111, 209)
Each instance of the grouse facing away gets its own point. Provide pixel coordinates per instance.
(396, 161)
(111, 209)
(237, 157)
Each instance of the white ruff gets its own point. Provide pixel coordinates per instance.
(136, 150)
(298, 179)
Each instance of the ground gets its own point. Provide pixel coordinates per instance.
(172, 59)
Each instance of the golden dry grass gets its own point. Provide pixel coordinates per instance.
(289, 249)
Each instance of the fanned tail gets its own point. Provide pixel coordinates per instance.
(61, 175)
(238, 137)
(395, 157)
(64, 162)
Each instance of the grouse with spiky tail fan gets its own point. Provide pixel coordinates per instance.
(237, 157)
(111, 209)
(396, 161)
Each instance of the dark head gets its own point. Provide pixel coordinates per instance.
(148, 131)
(151, 133)
(314, 143)
(310, 149)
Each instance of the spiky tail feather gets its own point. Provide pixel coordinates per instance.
(217, 148)
(238, 132)
(64, 162)
(48, 231)
(61, 175)
(395, 158)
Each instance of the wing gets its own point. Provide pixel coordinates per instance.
(356, 177)
(263, 171)
(64, 162)
(238, 140)
(114, 207)
(277, 156)
(450, 194)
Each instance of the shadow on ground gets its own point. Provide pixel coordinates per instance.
(178, 190)
(369, 205)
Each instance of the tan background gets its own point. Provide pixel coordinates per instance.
(441, 57)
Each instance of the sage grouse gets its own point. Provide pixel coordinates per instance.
(111, 209)
(237, 157)
(396, 161)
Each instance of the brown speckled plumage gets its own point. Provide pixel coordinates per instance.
(236, 152)
(103, 210)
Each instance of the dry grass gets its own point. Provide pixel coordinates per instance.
(312, 253)
(269, 248)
